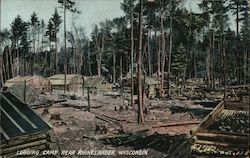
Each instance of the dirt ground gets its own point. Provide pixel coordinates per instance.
(75, 125)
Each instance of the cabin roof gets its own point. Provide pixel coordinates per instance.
(59, 79)
(93, 81)
(151, 81)
(18, 119)
(20, 79)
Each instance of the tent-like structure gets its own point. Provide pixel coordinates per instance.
(97, 84)
(21, 128)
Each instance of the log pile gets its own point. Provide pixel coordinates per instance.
(219, 151)
(231, 121)
(224, 132)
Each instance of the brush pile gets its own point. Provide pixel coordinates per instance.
(231, 121)
(217, 150)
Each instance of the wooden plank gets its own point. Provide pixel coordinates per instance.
(4, 134)
(12, 120)
(18, 111)
(177, 124)
(236, 106)
(213, 114)
(239, 86)
(221, 144)
(22, 140)
(23, 146)
(236, 138)
(38, 147)
(220, 132)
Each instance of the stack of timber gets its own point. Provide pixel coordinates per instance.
(224, 132)
(21, 128)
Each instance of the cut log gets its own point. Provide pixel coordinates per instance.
(223, 137)
(178, 124)
(23, 146)
(220, 144)
(47, 104)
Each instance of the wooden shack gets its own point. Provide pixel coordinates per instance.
(21, 128)
(151, 85)
(38, 83)
(224, 132)
(97, 84)
(73, 82)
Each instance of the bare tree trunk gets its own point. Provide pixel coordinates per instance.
(74, 60)
(45, 62)
(50, 60)
(8, 65)
(65, 50)
(11, 62)
(18, 62)
(89, 64)
(189, 46)
(121, 70)
(38, 39)
(212, 61)
(24, 64)
(139, 71)
(149, 54)
(169, 56)
(237, 44)
(195, 67)
(98, 67)
(132, 58)
(42, 43)
(99, 56)
(163, 54)
(224, 64)
(56, 59)
(209, 60)
(245, 64)
(114, 67)
(1, 68)
(159, 60)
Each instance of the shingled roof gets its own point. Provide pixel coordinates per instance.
(93, 81)
(59, 79)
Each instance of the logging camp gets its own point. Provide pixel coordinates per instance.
(124, 78)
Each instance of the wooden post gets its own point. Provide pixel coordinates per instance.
(82, 86)
(88, 99)
(24, 92)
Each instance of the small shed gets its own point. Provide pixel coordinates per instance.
(151, 85)
(73, 82)
(21, 128)
(97, 84)
(38, 83)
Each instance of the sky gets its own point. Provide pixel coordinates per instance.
(92, 11)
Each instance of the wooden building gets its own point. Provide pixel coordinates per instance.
(21, 128)
(73, 82)
(38, 83)
(97, 84)
(151, 85)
